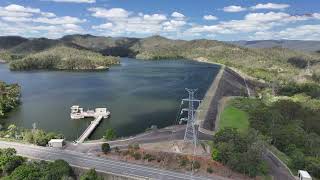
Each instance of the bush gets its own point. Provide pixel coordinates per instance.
(136, 146)
(137, 156)
(210, 170)
(214, 153)
(196, 165)
(91, 175)
(105, 147)
(149, 157)
(13, 163)
(110, 134)
(183, 162)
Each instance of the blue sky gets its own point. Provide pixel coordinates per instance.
(177, 19)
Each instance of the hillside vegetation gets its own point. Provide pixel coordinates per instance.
(310, 46)
(9, 98)
(64, 58)
(269, 64)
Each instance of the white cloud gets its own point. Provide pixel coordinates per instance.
(252, 23)
(177, 15)
(316, 15)
(122, 22)
(18, 8)
(59, 20)
(154, 17)
(210, 17)
(109, 13)
(302, 32)
(103, 26)
(234, 9)
(28, 21)
(16, 19)
(173, 25)
(270, 6)
(75, 1)
(48, 14)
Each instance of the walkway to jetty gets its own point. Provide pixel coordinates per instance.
(89, 129)
(98, 114)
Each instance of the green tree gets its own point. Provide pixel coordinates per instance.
(13, 163)
(110, 134)
(40, 138)
(26, 172)
(57, 169)
(105, 147)
(91, 175)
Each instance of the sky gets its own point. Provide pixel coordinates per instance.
(226, 20)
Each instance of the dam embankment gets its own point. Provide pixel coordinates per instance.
(227, 83)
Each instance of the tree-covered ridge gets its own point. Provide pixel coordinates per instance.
(9, 98)
(267, 64)
(64, 58)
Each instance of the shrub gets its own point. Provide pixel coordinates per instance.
(183, 162)
(149, 157)
(137, 156)
(196, 165)
(210, 170)
(136, 146)
(91, 175)
(105, 147)
(110, 134)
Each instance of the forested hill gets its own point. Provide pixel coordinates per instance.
(308, 46)
(266, 63)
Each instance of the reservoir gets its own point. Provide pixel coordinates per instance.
(138, 94)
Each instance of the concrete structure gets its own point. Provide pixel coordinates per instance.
(304, 175)
(98, 114)
(89, 129)
(78, 113)
(56, 143)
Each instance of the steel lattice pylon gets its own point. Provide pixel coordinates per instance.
(191, 129)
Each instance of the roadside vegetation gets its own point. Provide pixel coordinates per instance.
(14, 167)
(35, 136)
(241, 152)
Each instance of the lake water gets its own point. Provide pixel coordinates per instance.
(138, 94)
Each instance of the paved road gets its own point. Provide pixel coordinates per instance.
(159, 135)
(100, 164)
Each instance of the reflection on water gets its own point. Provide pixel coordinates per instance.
(138, 93)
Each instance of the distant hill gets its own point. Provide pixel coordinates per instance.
(268, 62)
(7, 42)
(309, 46)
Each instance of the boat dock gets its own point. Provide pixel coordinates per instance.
(98, 114)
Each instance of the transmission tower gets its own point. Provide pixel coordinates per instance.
(191, 129)
(308, 69)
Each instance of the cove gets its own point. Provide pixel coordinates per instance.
(138, 93)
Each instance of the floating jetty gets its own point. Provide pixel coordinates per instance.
(98, 114)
